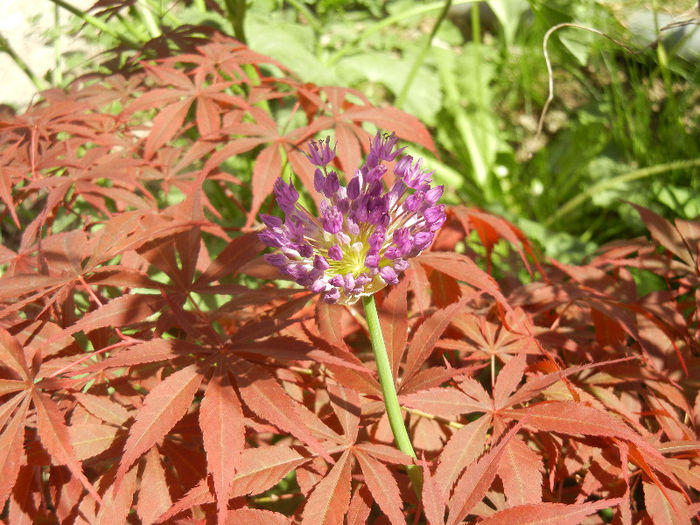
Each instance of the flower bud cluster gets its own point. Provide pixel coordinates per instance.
(364, 235)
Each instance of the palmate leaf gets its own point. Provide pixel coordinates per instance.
(346, 405)
(12, 355)
(267, 169)
(423, 342)
(574, 418)
(55, 438)
(11, 445)
(360, 506)
(223, 434)
(668, 236)
(263, 467)
(256, 517)
(520, 470)
(118, 499)
(91, 439)
(162, 409)
(154, 498)
(383, 487)
(477, 479)
(264, 396)
(259, 469)
(491, 229)
(330, 499)
(549, 513)
(578, 419)
(464, 269)
(667, 506)
(432, 497)
(463, 447)
(393, 319)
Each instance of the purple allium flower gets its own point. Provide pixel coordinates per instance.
(364, 234)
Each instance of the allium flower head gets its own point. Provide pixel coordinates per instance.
(364, 234)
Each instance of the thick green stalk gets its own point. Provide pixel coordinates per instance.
(391, 401)
(235, 10)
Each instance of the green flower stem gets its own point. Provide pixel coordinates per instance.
(391, 401)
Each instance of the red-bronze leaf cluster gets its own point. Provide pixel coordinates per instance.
(152, 372)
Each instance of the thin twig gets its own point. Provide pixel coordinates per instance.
(550, 76)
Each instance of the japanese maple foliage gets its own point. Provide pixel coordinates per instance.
(154, 369)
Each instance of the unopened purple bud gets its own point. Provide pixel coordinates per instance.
(343, 205)
(310, 277)
(296, 230)
(403, 166)
(438, 223)
(414, 201)
(332, 184)
(349, 283)
(401, 265)
(335, 253)
(362, 280)
(392, 252)
(286, 195)
(320, 153)
(354, 188)
(433, 194)
(319, 180)
(379, 217)
(397, 189)
(271, 221)
(337, 280)
(352, 227)
(435, 217)
(375, 176)
(343, 238)
(402, 239)
(319, 285)
(360, 208)
(389, 275)
(271, 239)
(372, 260)
(414, 177)
(433, 214)
(320, 263)
(304, 249)
(375, 188)
(332, 220)
(331, 296)
(422, 240)
(297, 271)
(377, 239)
(276, 259)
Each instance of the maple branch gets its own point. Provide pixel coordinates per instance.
(391, 400)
